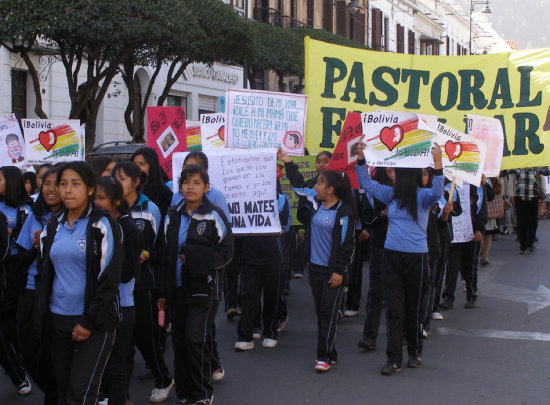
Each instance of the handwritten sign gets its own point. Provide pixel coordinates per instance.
(12, 143)
(306, 166)
(212, 132)
(396, 139)
(248, 181)
(462, 225)
(53, 141)
(262, 119)
(463, 155)
(166, 133)
(345, 154)
(490, 132)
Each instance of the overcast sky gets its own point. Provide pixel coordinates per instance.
(521, 20)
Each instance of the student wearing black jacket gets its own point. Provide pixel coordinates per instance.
(262, 261)
(198, 245)
(110, 197)
(77, 286)
(329, 248)
(464, 255)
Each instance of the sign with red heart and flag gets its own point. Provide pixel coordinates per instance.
(396, 139)
(53, 141)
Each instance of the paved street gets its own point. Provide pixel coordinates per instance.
(497, 353)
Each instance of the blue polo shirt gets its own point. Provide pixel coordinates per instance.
(25, 241)
(68, 256)
(182, 241)
(214, 195)
(11, 216)
(322, 225)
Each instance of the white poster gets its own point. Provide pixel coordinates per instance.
(212, 132)
(463, 155)
(396, 139)
(462, 225)
(248, 180)
(12, 143)
(53, 141)
(488, 130)
(263, 119)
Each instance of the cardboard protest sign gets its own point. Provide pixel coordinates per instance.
(53, 141)
(396, 139)
(248, 181)
(463, 230)
(306, 166)
(263, 119)
(193, 131)
(488, 130)
(166, 133)
(12, 143)
(345, 154)
(212, 132)
(463, 155)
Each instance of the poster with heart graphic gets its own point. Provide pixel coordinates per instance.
(345, 154)
(212, 132)
(166, 133)
(396, 139)
(463, 155)
(12, 143)
(53, 141)
(490, 132)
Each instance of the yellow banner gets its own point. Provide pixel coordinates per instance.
(512, 87)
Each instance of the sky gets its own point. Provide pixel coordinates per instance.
(520, 20)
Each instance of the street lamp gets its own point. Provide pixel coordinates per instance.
(485, 10)
(354, 6)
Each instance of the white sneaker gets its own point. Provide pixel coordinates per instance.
(161, 394)
(437, 316)
(25, 387)
(243, 346)
(104, 402)
(425, 334)
(256, 334)
(282, 325)
(348, 313)
(269, 343)
(218, 375)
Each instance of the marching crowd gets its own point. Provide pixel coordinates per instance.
(99, 259)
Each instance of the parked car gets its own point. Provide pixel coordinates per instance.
(118, 150)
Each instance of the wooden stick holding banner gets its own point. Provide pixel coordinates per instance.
(452, 190)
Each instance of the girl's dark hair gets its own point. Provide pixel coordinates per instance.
(42, 166)
(430, 177)
(325, 152)
(114, 192)
(15, 194)
(100, 163)
(31, 176)
(190, 171)
(154, 181)
(404, 189)
(200, 156)
(341, 184)
(131, 170)
(40, 208)
(381, 176)
(85, 172)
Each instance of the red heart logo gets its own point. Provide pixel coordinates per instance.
(391, 137)
(221, 132)
(280, 171)
(47, 139)
(453, 150)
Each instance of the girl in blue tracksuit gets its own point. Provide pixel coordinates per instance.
(15, 204)
(405, 254)
(198, 245)
(77, 286)
(110, 197)
(150, 338)
(330, 247)
(36, 354)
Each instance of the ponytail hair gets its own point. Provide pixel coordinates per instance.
(114, 192)
(341, 184)
(405, 188)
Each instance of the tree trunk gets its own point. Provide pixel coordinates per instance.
(128, 78)
(172, 79)
(35, 85)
